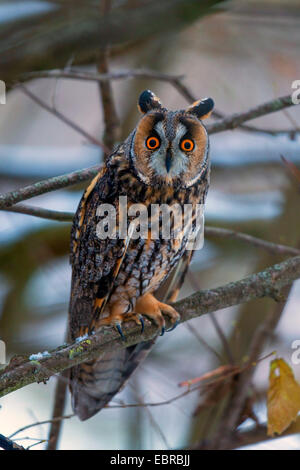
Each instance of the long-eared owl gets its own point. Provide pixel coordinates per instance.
(165, 160)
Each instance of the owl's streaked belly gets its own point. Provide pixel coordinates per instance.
(146, 266)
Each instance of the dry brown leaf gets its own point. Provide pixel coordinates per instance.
(283, 397)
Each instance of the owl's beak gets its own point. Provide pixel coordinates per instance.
(168, 160)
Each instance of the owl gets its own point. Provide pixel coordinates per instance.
(165, 160)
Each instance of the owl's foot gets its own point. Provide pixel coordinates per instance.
(116, 318)
(152, 308)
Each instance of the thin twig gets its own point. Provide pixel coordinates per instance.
(174, 80)
(40, 423)
(202, 341)
(63, 118)
(60, 216)
(274, 248)
(215, 322)
(112, 129)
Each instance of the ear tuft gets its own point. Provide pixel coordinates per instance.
(148, 101)
(202, 108)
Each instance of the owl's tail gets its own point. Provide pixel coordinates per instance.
(94, 383)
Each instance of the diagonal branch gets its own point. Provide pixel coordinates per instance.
(48, 185)
(8, 444)
(233, 121)
(267, 283)
(63, 118)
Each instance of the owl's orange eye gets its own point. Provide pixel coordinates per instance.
(152, 143)
(187, 145)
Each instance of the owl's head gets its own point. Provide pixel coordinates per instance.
(170, 147)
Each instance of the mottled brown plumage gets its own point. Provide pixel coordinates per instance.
(163, 161)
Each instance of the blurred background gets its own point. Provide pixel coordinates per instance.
(241, 53)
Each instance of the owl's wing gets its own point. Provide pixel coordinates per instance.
(95, 261)
(95, 266)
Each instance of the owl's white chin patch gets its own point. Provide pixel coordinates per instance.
(158, 164)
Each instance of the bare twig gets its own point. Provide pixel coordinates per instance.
(40, 423)
(274, 248)
(63, 118)
(174, 80)
(267, 283)
(111, 121)
(218, 329)
(202, 341)
(60, 216)
(104, 77)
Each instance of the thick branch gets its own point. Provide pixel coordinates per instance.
(8, 444)
(267, 283)
(45, 186)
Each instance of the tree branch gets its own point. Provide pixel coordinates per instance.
(63, 118)
(274, 248)
(8, 444)
(174, 80)
(45, 186)
(59, 216)
(237, 119)
(267, 283)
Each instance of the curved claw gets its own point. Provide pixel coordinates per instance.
(118, 326)
(163, 329)
(173, 327)
(142, 323)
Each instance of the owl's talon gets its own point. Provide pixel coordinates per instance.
(174, 326)
(118, 327)
(142, 323)
(149, 306)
